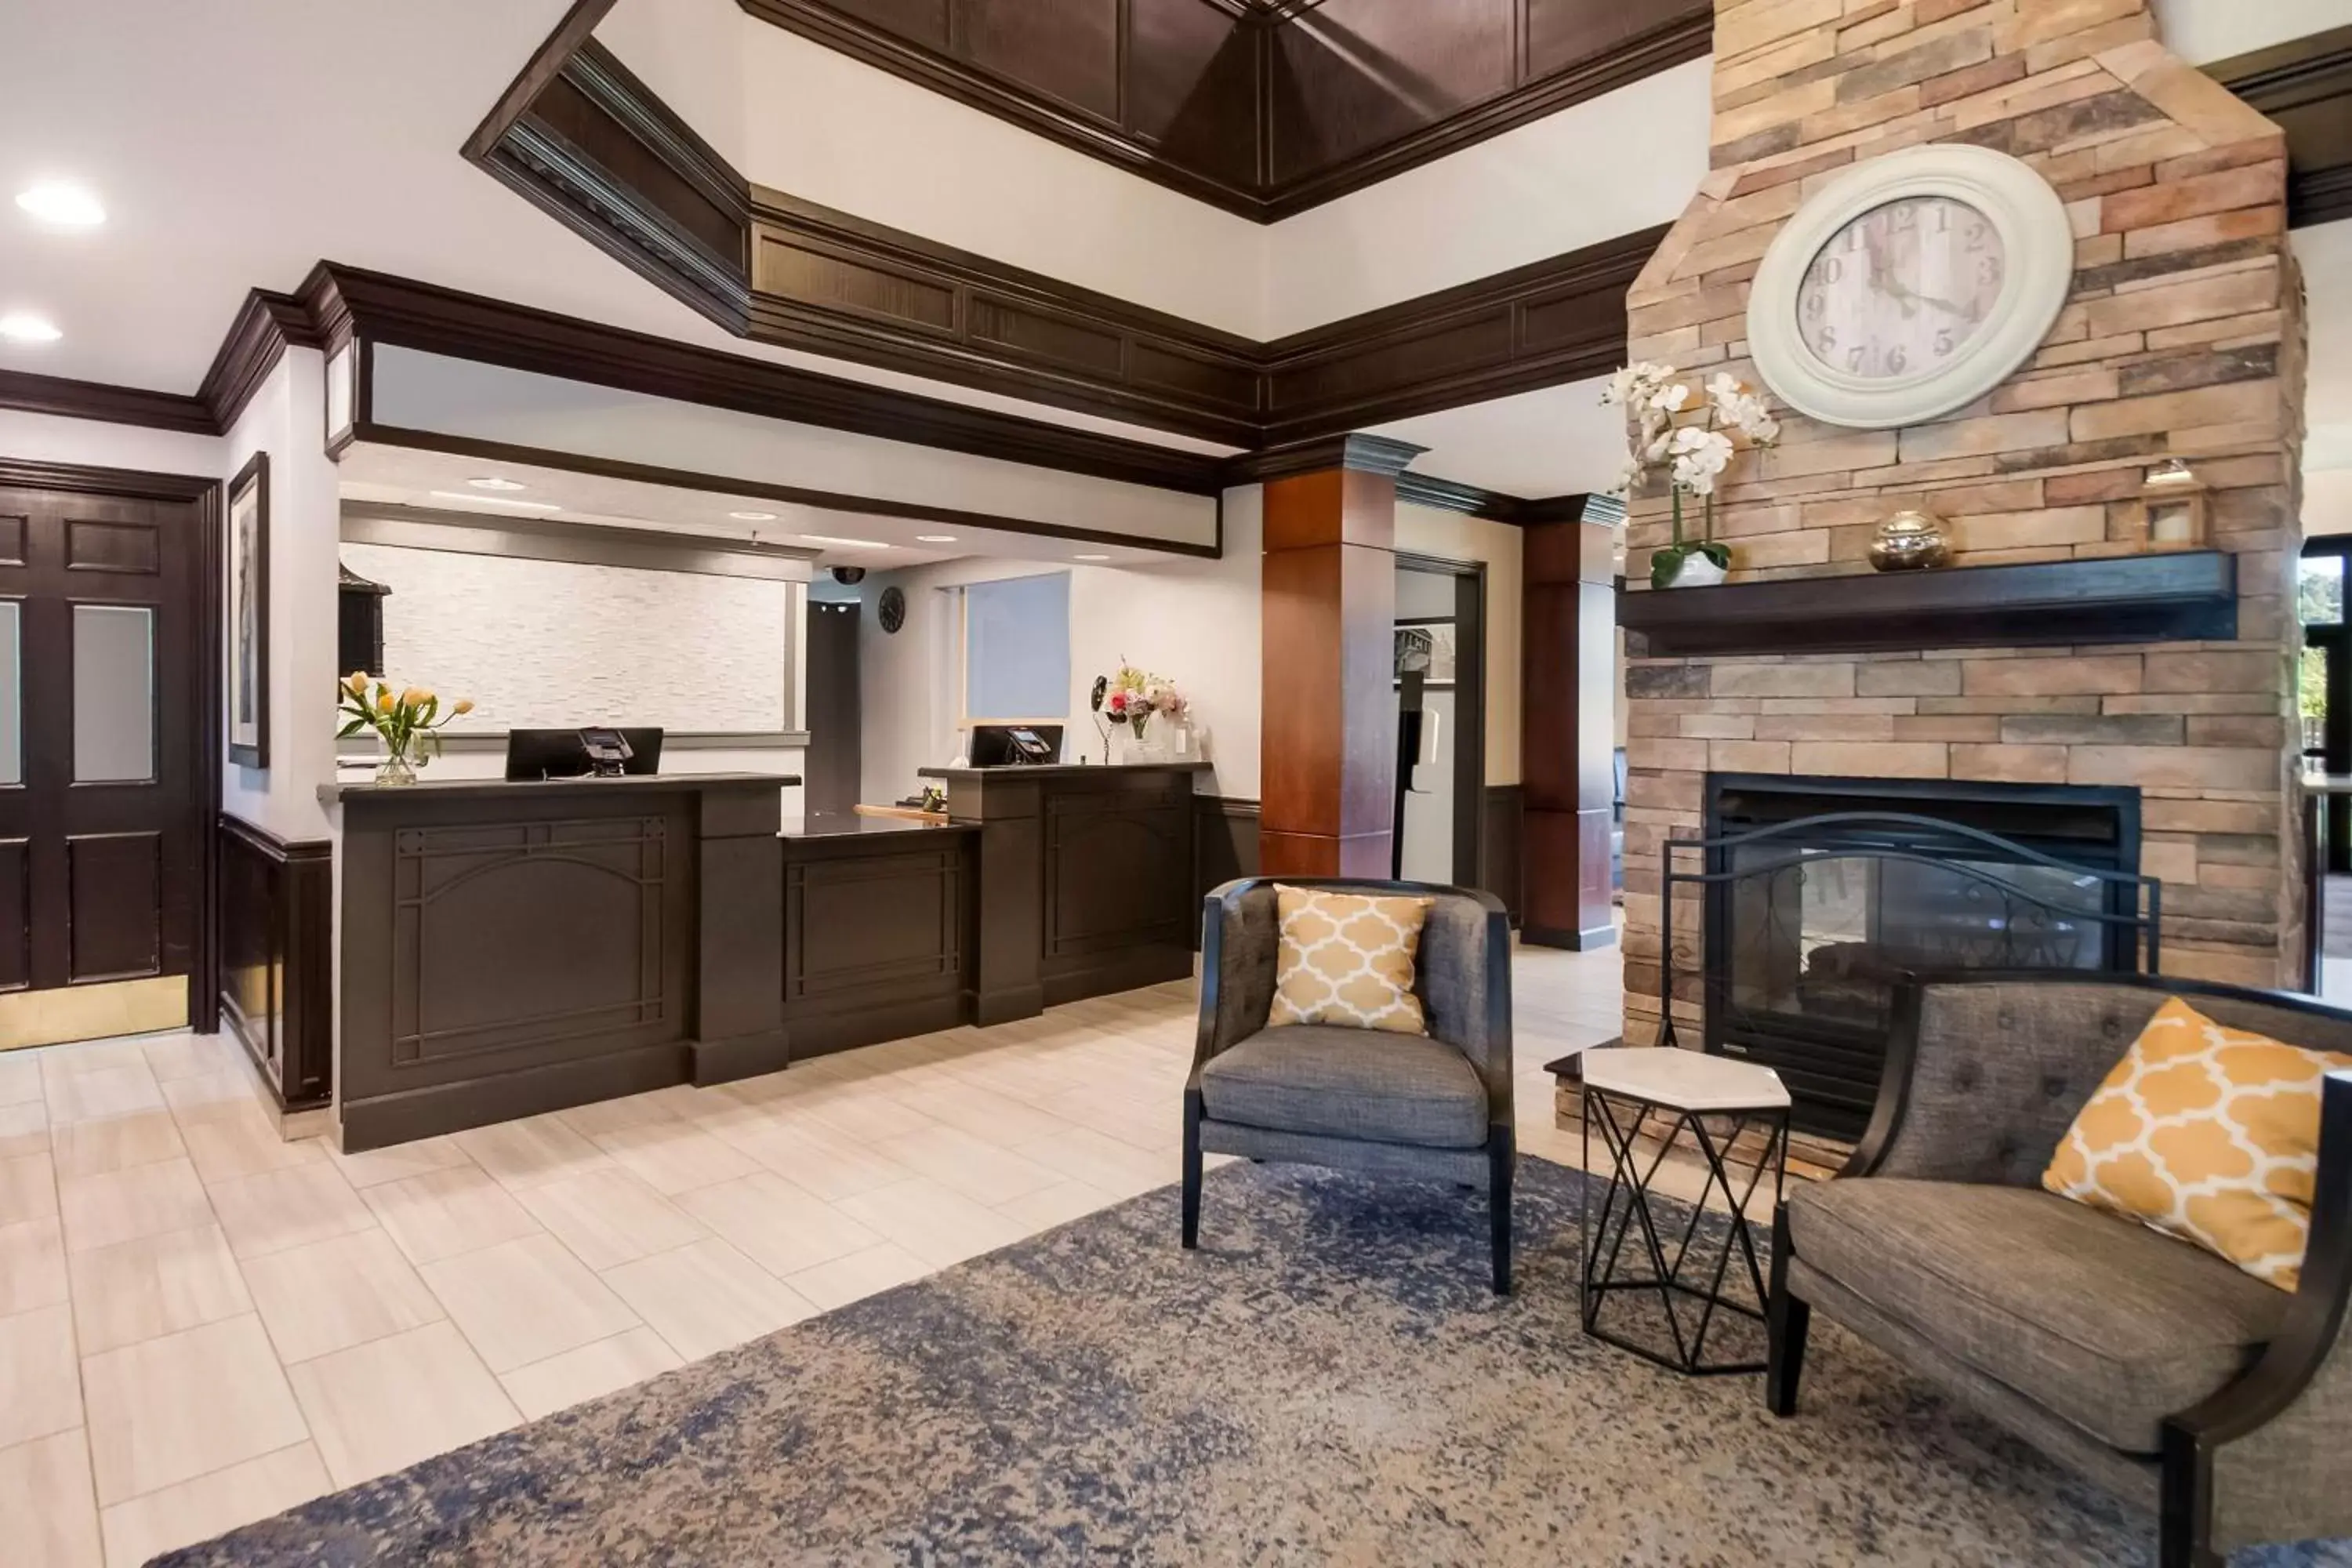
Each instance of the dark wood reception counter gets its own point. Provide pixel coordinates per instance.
(508, 948)
(1084, 881)
(513, 948)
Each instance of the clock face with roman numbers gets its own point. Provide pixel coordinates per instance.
(1901, 288)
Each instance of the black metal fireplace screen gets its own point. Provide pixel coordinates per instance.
(1809, 923)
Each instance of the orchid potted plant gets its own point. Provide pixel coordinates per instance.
(1690, 442)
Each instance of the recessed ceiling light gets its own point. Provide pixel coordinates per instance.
(752, 516)
(844, 543)
(472, 499)
(492, 483)
(1091, 558)
(62, 204)
(935, 539)
(23, 327)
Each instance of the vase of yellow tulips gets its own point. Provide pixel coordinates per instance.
(408, 722)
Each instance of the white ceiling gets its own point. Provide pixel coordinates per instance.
(1555, 442)
(408, 477)
(236, 145)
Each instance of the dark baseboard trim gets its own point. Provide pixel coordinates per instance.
(387, 1119)
(820, 1034)
(749, 1056)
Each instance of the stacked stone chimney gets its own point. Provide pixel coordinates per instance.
(2183, 337)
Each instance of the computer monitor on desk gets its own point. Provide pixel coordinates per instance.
(1015, 745)
(564, 753)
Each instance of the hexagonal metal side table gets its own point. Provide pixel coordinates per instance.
(1622, 1086)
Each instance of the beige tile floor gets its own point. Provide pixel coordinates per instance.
(201, 1325)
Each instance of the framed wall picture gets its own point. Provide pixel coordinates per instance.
(245, 615)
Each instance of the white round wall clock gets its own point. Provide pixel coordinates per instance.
(1911, 286)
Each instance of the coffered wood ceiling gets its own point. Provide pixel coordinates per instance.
(597, 150)
(1265, 108)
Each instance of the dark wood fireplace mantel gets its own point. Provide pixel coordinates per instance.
(2180, 595)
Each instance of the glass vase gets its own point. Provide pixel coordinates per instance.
(396, 769)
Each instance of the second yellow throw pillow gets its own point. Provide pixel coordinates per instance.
(1348, 959)
(2207, 1133)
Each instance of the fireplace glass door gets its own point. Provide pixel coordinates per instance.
(1804, 951)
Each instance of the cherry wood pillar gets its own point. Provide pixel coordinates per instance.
(1569, 738)
(1328, 731)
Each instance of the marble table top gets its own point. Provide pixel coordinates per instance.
(1682, 1081)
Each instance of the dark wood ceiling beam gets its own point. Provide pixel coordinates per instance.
(2306, 86)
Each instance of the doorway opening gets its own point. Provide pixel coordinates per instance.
(1441, 730)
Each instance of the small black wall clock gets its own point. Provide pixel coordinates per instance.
(893, 609)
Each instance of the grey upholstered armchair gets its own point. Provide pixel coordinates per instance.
(1357, 1099)
(2145, 1363)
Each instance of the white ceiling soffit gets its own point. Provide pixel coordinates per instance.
(232, 152)
(1555, 442)
(385, 475)
(2203, 31)
(794, 115)
(463, 398)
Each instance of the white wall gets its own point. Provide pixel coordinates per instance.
(547, 643)
(1193, 621)
(287, 419)
(1426, 531)
(463, 397)
(38, 437)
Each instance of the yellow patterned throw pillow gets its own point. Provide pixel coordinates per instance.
(1347, 958)
(2207, 1133)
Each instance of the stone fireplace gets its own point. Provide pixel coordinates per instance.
(1845, 885)
(2090, 680)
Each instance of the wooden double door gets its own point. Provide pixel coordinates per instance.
(105, 678)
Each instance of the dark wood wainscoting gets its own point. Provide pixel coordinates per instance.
(276, 914)
(877, 935)
(1224, 846)
(1501, 846)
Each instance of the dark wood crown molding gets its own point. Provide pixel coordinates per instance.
(1354, 451)
(602, 155)
(2306, 86)
(403, 312)
(1494, 506)
(1283, 103)
(266, 326)
(27, 392)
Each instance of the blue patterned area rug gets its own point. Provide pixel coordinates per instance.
(1329, 1380)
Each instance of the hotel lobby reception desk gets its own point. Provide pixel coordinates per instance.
(1084, 881)
(513, 948)
(509, 949)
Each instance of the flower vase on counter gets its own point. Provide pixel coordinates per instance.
(407, 722)
(1138, 716)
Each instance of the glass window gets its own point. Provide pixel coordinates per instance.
(2323, 589)
(1017, 648)
(2311, 699)
(113, 693)
(12, 699)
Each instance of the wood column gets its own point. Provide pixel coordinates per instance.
(1568, 697)
(1329, 722)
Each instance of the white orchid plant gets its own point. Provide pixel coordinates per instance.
(1691, 442)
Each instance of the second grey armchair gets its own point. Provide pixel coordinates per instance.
(1382, 1104)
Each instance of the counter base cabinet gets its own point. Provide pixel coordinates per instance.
(512, 951)
(276, 904)
(1119, 910)
(1085, 880)
(877, 945)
